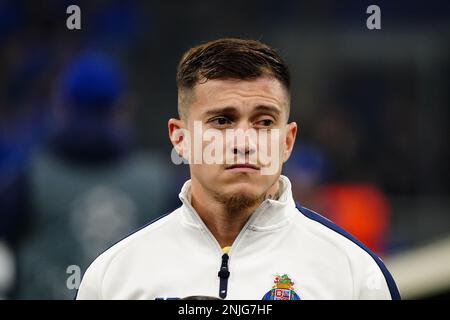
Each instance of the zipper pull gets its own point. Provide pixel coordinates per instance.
(224, 274)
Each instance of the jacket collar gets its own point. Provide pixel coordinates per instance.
(269, 215)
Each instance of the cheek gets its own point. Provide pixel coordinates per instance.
(272, 147)
(282, 145)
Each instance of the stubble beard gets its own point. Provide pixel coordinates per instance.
(238, 202)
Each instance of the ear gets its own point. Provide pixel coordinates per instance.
(177, 135)
(289, 142)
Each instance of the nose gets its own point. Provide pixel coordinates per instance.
(244, 150)
(244, 141)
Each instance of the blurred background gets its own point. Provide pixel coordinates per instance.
(85, 154)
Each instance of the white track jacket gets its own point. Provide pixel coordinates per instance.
(284, 252)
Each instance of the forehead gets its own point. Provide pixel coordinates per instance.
(239, 93)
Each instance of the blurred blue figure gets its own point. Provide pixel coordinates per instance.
(90, 126)
(89, 186)
(308, 169)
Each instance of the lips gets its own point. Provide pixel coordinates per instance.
(243, 166)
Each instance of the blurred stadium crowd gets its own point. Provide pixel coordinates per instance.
(84, 151)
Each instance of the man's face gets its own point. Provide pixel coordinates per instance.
(250, 118)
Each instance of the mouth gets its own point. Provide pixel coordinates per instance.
(244, 167)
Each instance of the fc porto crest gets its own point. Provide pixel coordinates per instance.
(283, 289)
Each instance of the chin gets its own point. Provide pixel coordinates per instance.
(245, 188)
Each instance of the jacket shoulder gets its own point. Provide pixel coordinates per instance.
(91, 284)
(372, 278)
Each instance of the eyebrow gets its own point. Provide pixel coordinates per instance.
(233, 110)
(217, 111)
(268, 108)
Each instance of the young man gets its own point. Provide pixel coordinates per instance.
(239, 233)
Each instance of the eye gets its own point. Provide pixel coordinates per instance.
(220, 121)
(265, 123)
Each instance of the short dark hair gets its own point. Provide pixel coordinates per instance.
(229, 58)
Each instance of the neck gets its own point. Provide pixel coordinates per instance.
(224, 226)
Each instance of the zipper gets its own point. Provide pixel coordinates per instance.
(224, 274)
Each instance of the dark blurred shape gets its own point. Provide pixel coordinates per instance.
(89, 185)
